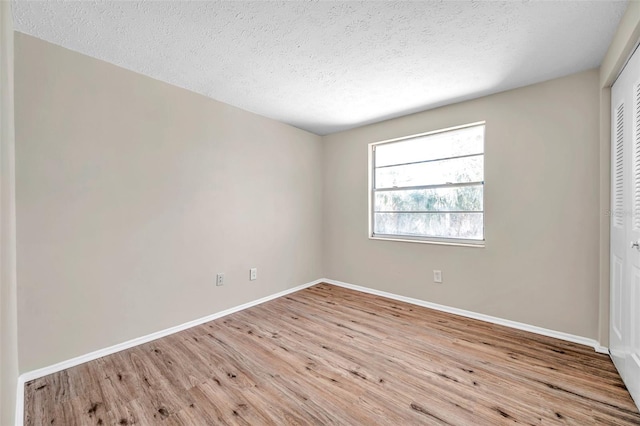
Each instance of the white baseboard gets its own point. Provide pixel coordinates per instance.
(482, 317)
(45, 371)
(20, 402)
(41, 372)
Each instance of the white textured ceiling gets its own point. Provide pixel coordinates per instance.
(332, 65)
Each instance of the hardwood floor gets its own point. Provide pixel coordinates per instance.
(328, 355)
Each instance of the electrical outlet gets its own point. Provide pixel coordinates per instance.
(437, 276)
(253, 274)
(220, 279)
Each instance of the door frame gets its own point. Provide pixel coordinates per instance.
(624, 43)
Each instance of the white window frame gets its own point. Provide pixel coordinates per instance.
(424, 239)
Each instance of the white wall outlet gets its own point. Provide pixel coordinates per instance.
(220, 279)
(253, 274)
(437, 276)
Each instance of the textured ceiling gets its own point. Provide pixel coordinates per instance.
(329, 66)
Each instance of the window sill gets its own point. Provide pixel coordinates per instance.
(458, 243)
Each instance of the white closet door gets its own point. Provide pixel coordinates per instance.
(624, 341)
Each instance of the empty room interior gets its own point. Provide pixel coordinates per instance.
(319, 212)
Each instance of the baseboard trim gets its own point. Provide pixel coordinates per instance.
(474, 315)
(41, 372)
(20, 402)
(45, 371)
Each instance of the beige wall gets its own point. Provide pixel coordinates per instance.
(8, 315)
(540, 263)
(132, 194)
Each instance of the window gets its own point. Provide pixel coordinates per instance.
(429, 187)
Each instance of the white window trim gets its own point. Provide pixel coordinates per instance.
(459, 242)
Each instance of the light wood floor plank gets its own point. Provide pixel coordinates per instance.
(328, 355)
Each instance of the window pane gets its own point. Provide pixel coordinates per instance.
(467, 169)
(443, 225)
(453, 143)
(465, 198)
